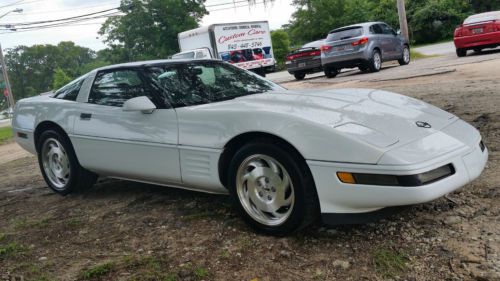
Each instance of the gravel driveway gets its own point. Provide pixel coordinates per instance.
(122, 230)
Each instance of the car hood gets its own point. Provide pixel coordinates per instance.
(376, 117)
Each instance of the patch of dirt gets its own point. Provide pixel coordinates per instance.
(122, 230)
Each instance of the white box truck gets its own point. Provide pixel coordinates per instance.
(244, 44)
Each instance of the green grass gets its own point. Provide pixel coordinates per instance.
(389, 263)
(416, 55)
(5, 134)
(10, 249)
(200, 273)
(97, 271)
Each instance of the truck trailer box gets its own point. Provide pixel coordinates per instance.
(244, 44)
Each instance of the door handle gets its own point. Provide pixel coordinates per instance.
(85, 116)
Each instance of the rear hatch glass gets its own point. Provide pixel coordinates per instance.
(345, 33)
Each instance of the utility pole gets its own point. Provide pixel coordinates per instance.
(10, 97)
(402, 19)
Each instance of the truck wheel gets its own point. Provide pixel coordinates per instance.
(299, 75)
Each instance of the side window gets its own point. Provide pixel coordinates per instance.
(70, 91)
(113, 88)
(387, 29)
(376, 29)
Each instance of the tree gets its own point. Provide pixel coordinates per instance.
(32, 69)
(149, 28)
(281, 45)
(60, 79)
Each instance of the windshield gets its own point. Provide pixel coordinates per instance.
(189, 55)
(345, 33)
(205, 82)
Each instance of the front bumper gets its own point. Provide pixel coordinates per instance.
(342, 198)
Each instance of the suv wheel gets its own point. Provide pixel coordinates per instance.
(406, 56)
(375, 63)
(331, 72)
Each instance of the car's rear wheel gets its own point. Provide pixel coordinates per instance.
(461, 52)
(331, 72)
(406, 56)
(59, 165)
(272, 188)
(375, 63)
(299, 75)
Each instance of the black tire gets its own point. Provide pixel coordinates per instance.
(403, 60)
(461, 52)
(363, 68)
(331, 72)
(299, 75)
(305, 208)
(79, 178)
(373, 64)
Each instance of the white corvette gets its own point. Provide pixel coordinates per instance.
(284, 156)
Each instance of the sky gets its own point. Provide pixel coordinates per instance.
(85, 34)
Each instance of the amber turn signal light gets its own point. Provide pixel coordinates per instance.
(346, 177)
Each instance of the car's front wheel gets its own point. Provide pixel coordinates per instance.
(272, 188)
(59, 165)
(405, 59)
(375, 63)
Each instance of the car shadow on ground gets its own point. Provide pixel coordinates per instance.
(185, 205)
(484, 52)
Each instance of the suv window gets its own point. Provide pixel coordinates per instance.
(345, 33)
(387, 29)
(376, 29)
(113, 88)
(70, 91)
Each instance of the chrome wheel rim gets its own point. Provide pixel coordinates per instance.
(55, 163)
(265, 190)
(377, 60)
(406, 55)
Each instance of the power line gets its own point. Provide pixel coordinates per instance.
(76, 8)
(20, 3)
(47, 25)
(63, 19)
(69, 25)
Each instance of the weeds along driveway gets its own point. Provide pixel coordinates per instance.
(128, 231)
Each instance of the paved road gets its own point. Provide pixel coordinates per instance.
(391, 71)
(437, 49)
(4, 123)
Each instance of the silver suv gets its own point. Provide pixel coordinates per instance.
(364, 45)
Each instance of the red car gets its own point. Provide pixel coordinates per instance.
(478, 32)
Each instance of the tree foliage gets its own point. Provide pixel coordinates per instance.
(60, 78)
(429, 20)
(32, 69)
(149, 28)
(281, 45)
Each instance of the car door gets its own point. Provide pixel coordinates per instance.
(384, 41)
(393, 42)
(131, 145)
